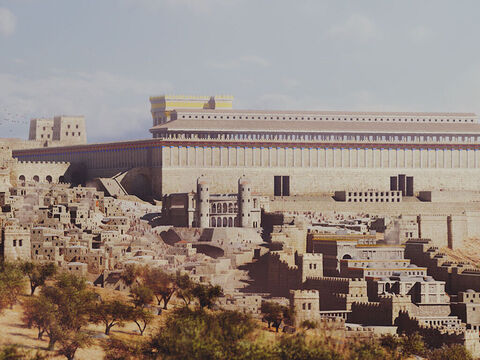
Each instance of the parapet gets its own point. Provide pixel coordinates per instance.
(43, 163)
(304, 293)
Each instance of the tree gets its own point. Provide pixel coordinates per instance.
(62, 309)
(198, 334)
(12, 284)
(39, 312)
(142, 295)
(38, 273)
(163, 285)
(112, 313)
(118, 349)
(206, 295)
(71, 341)
(451, 352)
(296, 347)
(130, 274)
(184, 288)
(142, 317)
(275, 314)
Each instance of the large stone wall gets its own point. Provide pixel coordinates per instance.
(45, 171)
(316, 181)
(314, 169)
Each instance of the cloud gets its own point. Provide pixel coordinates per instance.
(8, 22)
(241, 61)
(357, 27)
(115, 107)
(196, 6)
(420, 34)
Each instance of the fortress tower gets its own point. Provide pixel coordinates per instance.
(306, 305)
(203, 194)
(244, 202)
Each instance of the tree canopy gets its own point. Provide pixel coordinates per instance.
(38, 273)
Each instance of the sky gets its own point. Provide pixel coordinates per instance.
(104, 58)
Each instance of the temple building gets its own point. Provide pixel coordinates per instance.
(285, 153)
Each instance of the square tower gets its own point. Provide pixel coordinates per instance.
(70, 130)
(41, 129)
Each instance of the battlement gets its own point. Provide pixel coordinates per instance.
(277, 257)
(43, 162)
(336, 279)
(304, 293)
(316, 256)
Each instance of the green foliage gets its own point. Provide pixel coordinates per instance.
(206, 295)
(71, 341)
(368, 350)
(197, 334)
(163, 285)
(413, 344)
(295, 347)
(39, 312)
(60, 311)
(38, 273)
(142, 295)
(308, 324)
(13, 352)
(275, 314)
(112, 313)
(12, 284)
(117, 349)
(406, 345)
(450, 352)
(142, 317)
(130, 274)
(184, 288)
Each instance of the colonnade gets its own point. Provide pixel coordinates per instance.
(319, 157)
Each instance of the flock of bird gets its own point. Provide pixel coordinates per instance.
(9, 118)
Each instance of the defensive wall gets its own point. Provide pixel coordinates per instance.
(314, 167)
(40, 171)
(437, 337)
(457, 276)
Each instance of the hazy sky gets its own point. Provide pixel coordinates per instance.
(104, 58)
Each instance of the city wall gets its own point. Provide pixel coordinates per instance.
(457, 276)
